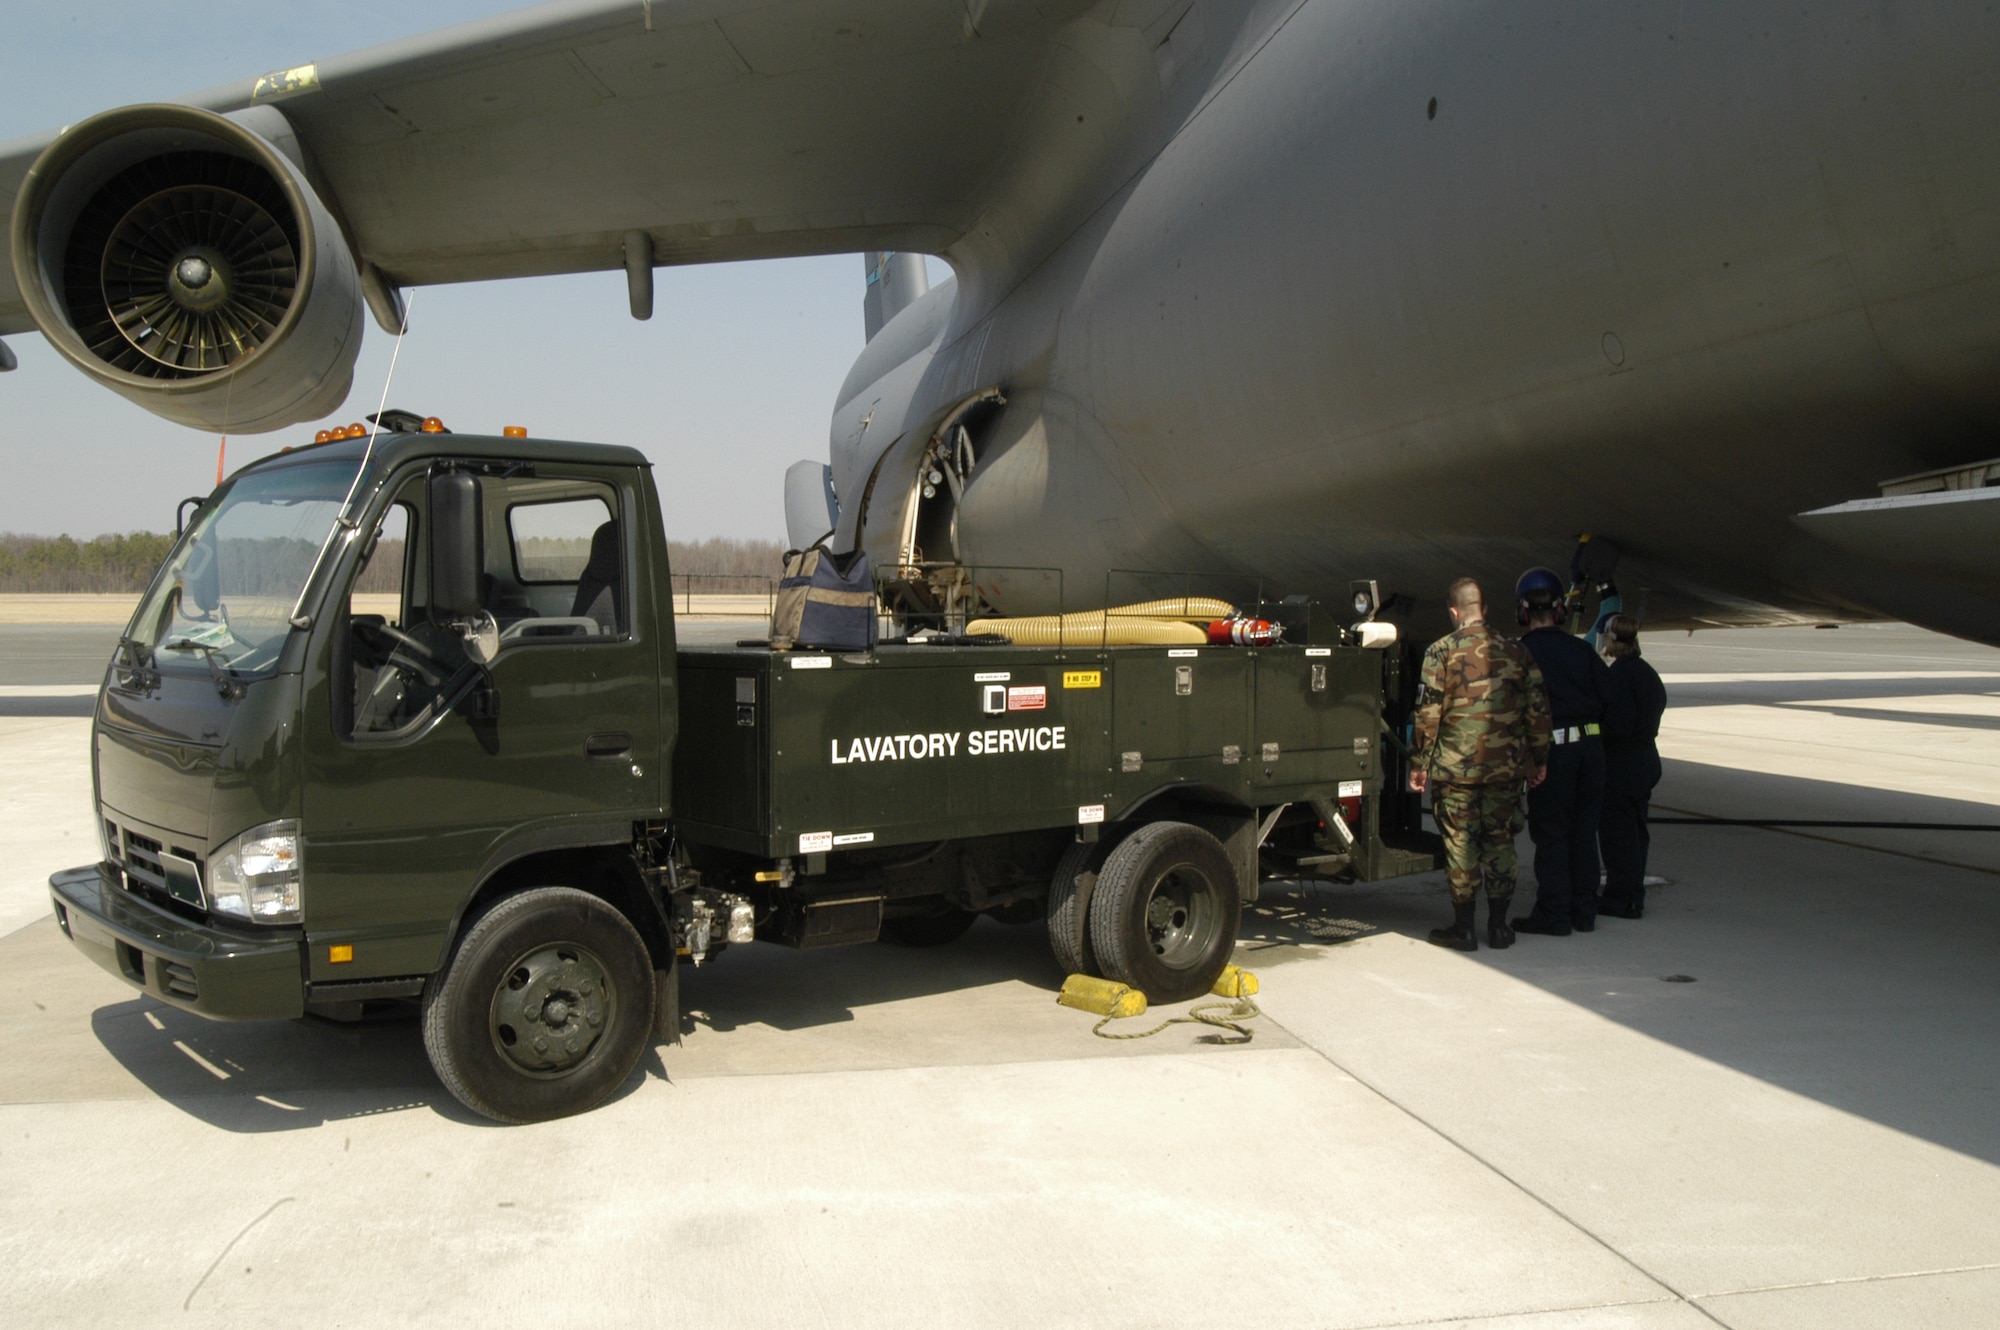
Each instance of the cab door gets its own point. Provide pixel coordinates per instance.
(409, 802)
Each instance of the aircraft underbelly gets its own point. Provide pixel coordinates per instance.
(1337, 337)
(1669, 280)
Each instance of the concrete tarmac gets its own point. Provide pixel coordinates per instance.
(1770, 1103)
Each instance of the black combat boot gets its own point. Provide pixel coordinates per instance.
(1498, 935)
(1459, 937)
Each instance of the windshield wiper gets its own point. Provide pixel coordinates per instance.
(228, 685)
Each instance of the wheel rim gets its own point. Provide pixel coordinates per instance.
(1181, 917)
(551, 1008)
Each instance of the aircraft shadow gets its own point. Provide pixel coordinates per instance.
(1861, 978)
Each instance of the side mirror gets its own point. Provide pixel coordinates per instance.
(201, 579)
(455, 552)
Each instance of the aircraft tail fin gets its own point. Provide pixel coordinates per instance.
(895, 282)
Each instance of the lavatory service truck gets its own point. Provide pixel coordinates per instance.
(403, 719)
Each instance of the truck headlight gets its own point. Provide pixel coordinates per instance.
(257, 875)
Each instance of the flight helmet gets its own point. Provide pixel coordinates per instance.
(1538, 589)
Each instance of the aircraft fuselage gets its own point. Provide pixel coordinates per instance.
(1416, 291)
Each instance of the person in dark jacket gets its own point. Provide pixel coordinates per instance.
(1631, 770)
(1563, 809)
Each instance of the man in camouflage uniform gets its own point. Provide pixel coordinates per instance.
(1482, 732)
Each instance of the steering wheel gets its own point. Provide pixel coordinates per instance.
(401, 641)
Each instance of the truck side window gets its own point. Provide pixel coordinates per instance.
(399, 668)
(564, 562)
(378, 588)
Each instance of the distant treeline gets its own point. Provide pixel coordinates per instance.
(705, 559)
(62, 564)
(113, 564)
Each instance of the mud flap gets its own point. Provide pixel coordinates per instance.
(667, 1005)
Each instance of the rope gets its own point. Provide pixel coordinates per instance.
(1242, 1009)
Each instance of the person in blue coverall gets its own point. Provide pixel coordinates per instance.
(1631, 768)
(1563, 810)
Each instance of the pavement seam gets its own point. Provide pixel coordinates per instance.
(1854, 1279)
(1505, 1316)
(189, 1301)
(1835, 840)
(1497, 1171)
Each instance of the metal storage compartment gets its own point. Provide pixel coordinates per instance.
(784, 754)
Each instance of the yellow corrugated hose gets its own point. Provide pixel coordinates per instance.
(1175, 622)
(1089, 629)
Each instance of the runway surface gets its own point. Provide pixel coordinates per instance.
(1773, 1102)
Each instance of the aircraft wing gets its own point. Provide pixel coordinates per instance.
(1952, 535)
(530, 143)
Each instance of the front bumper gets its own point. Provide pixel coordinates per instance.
(224, 974)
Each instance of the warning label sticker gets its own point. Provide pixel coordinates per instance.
(1030, 697)
(1083, 678)
(815, 842)
(1089, 813)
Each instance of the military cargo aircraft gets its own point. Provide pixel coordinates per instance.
(1292, 291)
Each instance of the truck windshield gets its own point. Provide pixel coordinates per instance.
(224, 596)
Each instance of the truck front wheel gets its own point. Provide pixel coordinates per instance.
(1165, 911)
(544, 1009)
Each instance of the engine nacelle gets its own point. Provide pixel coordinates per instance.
(180, 258)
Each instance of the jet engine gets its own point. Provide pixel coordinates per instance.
(181, 259)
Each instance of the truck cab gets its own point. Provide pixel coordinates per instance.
(306, 779)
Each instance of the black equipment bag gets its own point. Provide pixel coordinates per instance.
(826, 602)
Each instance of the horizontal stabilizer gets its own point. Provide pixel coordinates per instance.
(1952, 534)
(895, 282)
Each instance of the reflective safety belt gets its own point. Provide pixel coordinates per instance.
(1569, 734)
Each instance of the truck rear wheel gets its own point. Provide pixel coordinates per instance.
(1069, 908)
(544, 1009)
(1165, 910)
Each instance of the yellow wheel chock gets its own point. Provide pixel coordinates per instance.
(1115, 1001)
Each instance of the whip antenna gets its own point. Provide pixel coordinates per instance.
(345, 522)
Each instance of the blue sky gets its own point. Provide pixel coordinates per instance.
(731, 381)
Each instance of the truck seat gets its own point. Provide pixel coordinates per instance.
(599, 593)
(506, 609)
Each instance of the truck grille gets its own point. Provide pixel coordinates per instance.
(170, 873)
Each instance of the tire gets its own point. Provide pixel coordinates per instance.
(1069, 909)
(488, 1025)
(935, 929)
(1164, 915)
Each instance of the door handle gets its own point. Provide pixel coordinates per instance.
(613, 749)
